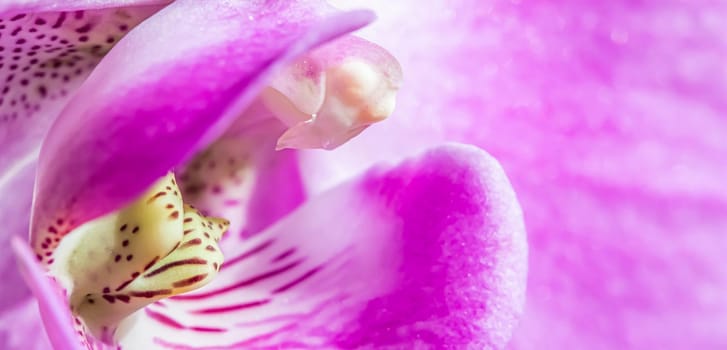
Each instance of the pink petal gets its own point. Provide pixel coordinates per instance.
(609, 118)
(169, 88)
(44, 56)
(429, 253)
(35, 36)
(21, 328)
(241, 177)
(16, 7)
(54, 311)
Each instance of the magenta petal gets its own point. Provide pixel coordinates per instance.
(241, 177)
(430, 253)
(21, 327)
(16, 7)
(53, 309)
(46, 50)
(169, 88)
(45, 53)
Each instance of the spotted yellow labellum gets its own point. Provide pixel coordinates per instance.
(154, 248)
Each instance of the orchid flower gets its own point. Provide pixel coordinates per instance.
(607, 116)
(170, 206)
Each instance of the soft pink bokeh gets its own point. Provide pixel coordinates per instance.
(609, 118)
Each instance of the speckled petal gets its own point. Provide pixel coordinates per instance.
(42, 61)
(169, 88)
(426, 254)
(45, 53)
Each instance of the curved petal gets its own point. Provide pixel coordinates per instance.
(429, 253)
(54, 311)
(609, 117)
(46, 49)
(241, 177)
(21, 328)
(168, 89)
(16, 7)
(44, 56)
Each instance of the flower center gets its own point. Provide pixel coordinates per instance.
(158, 246)
(154, 248)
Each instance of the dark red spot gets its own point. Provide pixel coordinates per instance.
(84, 29)
(150, 293)
(191, 261)
(59, 21)
(296, 281)
(151, 263)
(189, 281)
(191, 242)
(157, 195)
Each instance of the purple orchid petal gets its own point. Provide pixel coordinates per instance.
(46, 49)
(44, 56)
(21, 326)
(18, 7)
(609, 117)
(54, 311)
(429, 253)
(241, 177)
(168, 89)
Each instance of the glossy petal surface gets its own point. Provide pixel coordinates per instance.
(136, 118)
(46, 50)
(431, 252)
